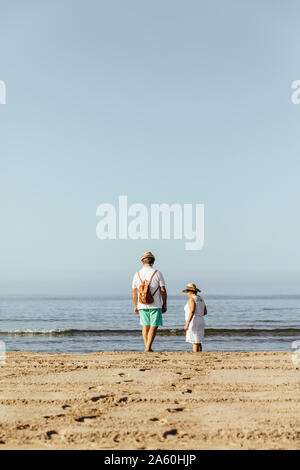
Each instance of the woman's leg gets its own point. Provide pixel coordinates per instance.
(197, 347)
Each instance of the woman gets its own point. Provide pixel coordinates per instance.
(195, 309)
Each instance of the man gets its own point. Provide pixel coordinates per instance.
(150, 314)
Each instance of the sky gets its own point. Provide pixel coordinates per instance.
(164, 102)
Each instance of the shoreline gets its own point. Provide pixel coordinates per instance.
(161, 400)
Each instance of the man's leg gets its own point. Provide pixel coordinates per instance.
(145, 333)
(155, 322)
(151, 336)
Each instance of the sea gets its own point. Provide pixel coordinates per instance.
(74, 324)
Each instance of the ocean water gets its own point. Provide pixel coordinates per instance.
(89, 324)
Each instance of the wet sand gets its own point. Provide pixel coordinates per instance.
(132, 400)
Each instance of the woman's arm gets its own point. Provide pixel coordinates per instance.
(192, 305)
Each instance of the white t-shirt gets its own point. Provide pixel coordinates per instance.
(157, 281)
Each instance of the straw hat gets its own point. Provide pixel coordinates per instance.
(191, 286)
(147, 254)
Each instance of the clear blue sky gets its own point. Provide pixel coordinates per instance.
(163, 101)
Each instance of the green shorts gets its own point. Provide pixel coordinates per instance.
(151, 317)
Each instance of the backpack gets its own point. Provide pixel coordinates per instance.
(145, 296)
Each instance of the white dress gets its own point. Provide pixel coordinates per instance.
(195, 333)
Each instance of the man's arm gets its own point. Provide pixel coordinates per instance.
(164, 297)
(135, 299)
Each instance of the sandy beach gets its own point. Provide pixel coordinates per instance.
(131, 400)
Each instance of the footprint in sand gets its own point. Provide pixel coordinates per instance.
(50, 434)
(188, 391)
(23, 426)
(172, 432)
(123, 400)
(65, 406)
(82, 418)
(143, 370)
(99, 397)
(174, 410)
(52, 417)
(153, 419)
(95, 398)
